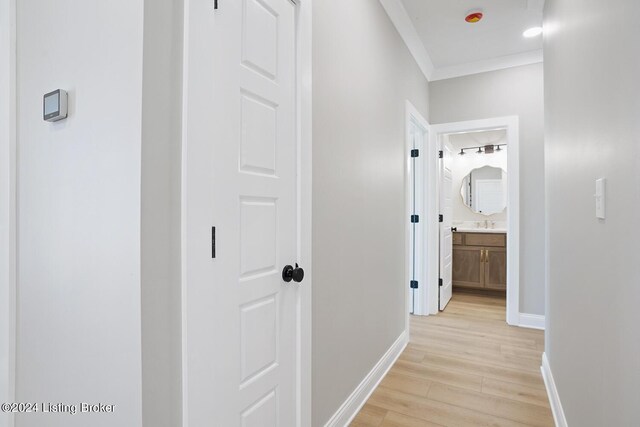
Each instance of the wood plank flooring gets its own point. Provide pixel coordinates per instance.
(463, 367)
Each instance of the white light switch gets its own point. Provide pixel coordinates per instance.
(600, 197)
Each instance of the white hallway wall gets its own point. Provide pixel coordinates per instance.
(592, 106)
(362, 75)
(79, 210)
(514, 91)
(98, 307)
(160, 213)
(7, 201)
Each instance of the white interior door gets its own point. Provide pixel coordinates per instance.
(240, 323)
(446, 237)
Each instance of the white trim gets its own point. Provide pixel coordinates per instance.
(401, 20)
(412, 115)
(183, 215)
(404, 25)
(492, 64)
(531, 321)
(552, 392)
(304, 127)
(350, 408)
(431, 196)
(510, 123)
(8, 204)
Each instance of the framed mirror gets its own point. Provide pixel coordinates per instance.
(484, 190)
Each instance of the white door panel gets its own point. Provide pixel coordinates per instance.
(240, 324)
(446, 237)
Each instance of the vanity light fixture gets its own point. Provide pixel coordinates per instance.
(483, 149)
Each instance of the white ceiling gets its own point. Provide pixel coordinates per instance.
(446, 46)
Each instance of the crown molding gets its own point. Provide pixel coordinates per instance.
(401, 20)
(493, 64)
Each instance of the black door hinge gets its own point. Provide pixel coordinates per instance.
(415, 219)
(440, 218)
(440, 154)
(439, 282)
(415, 152)
(215, 4)
(213, 242)
(414, 284)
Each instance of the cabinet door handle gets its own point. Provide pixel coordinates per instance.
(481, 255)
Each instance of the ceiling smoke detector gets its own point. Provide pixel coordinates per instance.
(474, 16)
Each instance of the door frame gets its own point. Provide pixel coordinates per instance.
(511, 125)
(413, 117)
(304, 129)
(303, 120)
(8, 201)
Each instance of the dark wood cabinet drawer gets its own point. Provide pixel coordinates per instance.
(485, 239)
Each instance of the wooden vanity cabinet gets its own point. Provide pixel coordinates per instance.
(480, 261)
(495, 269)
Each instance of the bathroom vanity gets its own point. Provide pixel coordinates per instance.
(480, 237)
(480, 259)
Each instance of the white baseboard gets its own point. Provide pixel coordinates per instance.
(532, 321)
(350, 408)
(552, 392)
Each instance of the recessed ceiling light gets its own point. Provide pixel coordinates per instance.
(532, 32)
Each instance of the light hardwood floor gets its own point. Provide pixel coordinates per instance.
(463, 367)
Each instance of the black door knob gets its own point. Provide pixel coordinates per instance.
(298, 274)
(290, 273)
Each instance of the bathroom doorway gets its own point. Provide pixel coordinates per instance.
(473, 201)
(477, 213)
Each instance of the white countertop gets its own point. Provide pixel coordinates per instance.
(482, 230)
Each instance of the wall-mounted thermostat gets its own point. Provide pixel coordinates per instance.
(55, 105)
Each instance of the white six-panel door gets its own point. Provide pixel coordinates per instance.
(240, 318)
(446, 237)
